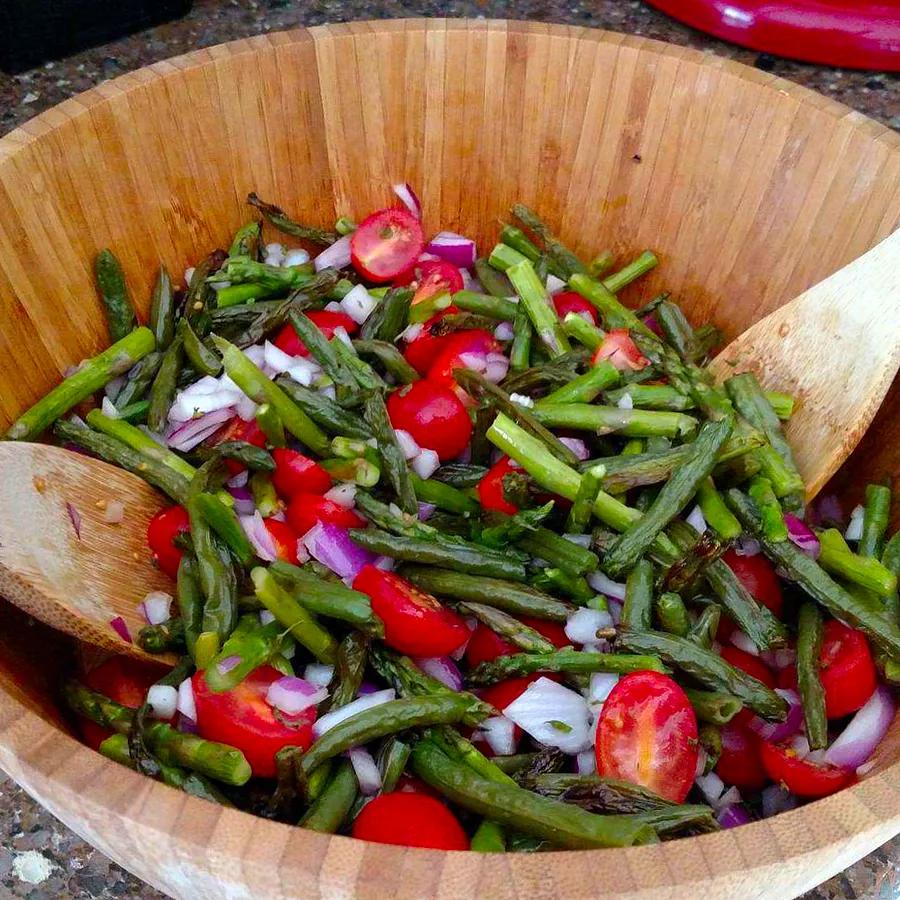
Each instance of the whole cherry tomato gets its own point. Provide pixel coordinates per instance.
(289, 341)
(433, 415)
(386, 244)
(161, 531)
(647, 734)
(243, 718)
(298, 474)
(414, 622)
(411, 819)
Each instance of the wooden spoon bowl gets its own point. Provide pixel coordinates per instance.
(751, 189)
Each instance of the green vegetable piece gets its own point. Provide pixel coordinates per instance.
(117, 303)
(812, 694)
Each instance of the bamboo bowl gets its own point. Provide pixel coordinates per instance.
(749, 188)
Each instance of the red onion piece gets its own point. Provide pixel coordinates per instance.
(826, 511)
(500, 735)
(733, 815)
(186, 724)
(496, 367)
(331, 546)
(857, 742)
(187, 435)
(711, 786)
(409, 199)
(426, 511)
(337, 256)
(802, 535)
(743, 641)
(244, 504)
(224, 666)
(651, 322)
(454, 248)
(294, 695)
(577, 446)
(366, 770)
(747, 546)
(156, 607)
(75, 519)
(121, 629)
(697, 520)
(259, 537)
(779, 731)
(239, 480)
(443, 669)
(186, 705)
(776, 799)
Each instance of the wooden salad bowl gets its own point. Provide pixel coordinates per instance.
(749, 188)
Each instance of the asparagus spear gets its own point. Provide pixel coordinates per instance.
(671, 614)
(836, 557)
(201, 358)
(393, 461)
(389, 318)
(586, 387)
(533, 296)
(606, 419)
(117, 303)
(703, 631)
(812, 694)
(286, 224)
(571, 661)
(508, 627)
(326, 413)
(638, 606)
(875, 520)
(350, 667)
(565, 262)
(332, 806)
(390, 357)
(162, 310)
(714, 707)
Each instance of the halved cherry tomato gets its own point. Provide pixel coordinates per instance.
(414, 622)
(430, 278)
(122, 679)
(490, 488)
(647, 734)
(237, 429)
(411, 820)
(161, 531)
(433, 415)
(568, 301)
(386, 244)
(305, 510)
(460, 352)
(422, 352)
(758, 576)
(485, 645)
(805, 779)
(621, 351)
(847, 670)
(739, 762)
(288, 340)
(750, 664)
(553, 631)
(242, 718)
(298, 474)
(285, 539)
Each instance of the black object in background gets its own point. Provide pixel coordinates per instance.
(33, 31)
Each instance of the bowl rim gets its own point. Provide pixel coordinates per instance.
(869, 807)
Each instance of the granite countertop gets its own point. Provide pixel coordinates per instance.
(39, 857)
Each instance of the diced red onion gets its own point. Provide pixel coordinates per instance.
(385, 563)
(732, 795)
(367, 774)
(319, 673)
(626, 401)
(826, 510)
(443, 669)
(163, 700)
(499, 733)
(747, 546)
(294, 695)
(186, 725)
(336, 716)
(776, 799)
(425, 463)
(114, 512)
(244, 504)
(409, 199)
(266, 617)
(331, 546)
(224, 666)
(358, 303)
(262, 542)
(497, 365)
(800, 745)
(504, 331)
(854, 529)
(75, 519)
(711, 786)
(188, 434)
(555, 285)
(857, 742)
(577, 446)
(454, 248)
(337, 256)
(652, 323)
(342, 494)
(697, 520)
(779, 731)
(408, 446)
(426, 511)
(615, 610)
(733, 816)
(553, 715)
(802, 535)
(186, 705)
(604, 585)
(583, 624)
(119, 626)
(742, 641)
(156, 607)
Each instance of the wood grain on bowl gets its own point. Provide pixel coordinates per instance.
(749, 188)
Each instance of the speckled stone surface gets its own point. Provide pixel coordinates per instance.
(40, 859)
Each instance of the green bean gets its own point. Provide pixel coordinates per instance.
(390, 357)
(606, 419)
(714, 707)
(523, 810)
(485, 305)
(576, 662)
(672, 614)
(518, 599)
(225, 523)
(117, 303)
(91, 375)
(392, 458)
(812, 694)
(703, 631)
(706, 667)
(200, 357)
(190, 601)
(637, 267)
(875, 520)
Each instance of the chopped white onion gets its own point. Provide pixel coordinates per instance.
(743, 642)
(293, 695)
(577, 446)
(274, 249)
(626, 401)
(776, 799)
(603, 585)
(857, 742)
(186, 705)
(367, 774)
(854, 529)
(702, 759)
(337, 256)
(426, 463)
(276, 359)
(711, 786)
(261, 540)
(747, 546)
(586, 762)
(188, 406)
(443, 669)
(729, 798)
(408, 446)
(522, 400)
(583, 540)
(336, 716)
(583, 624)
(504, 331)
(343, 494)
(697, 520)
(266, 617)
(114, 512)
(600, 687)
(108, 408)
(189, 274)
(333, 306)
(358, 303)
(496, 367)
(553, 715)
(499, 733)
(304, 371)
(163, 700)
(341, 334)
(156, 607)
(319, 673)
(554, 284)
(411, 332)
(296, 257)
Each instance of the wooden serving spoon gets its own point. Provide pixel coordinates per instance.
(836, 348)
